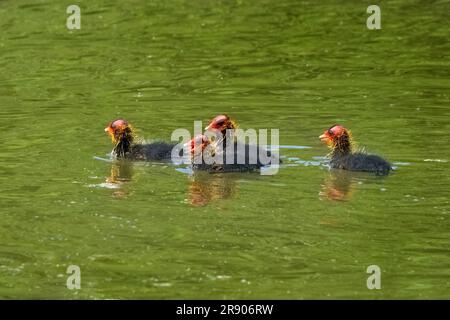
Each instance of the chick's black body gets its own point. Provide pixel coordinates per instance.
(158, 150)
(245, 158)
(361, 162)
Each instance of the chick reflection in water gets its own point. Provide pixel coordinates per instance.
(205, 187)
(121, 172)
(339, 185)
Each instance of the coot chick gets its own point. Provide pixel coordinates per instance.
(344, 157)
(211, 157)
(123, 137)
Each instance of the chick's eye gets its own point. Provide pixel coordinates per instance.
(220, 122)
(330, 132)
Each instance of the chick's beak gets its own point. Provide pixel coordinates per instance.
(109, 130)
(208, 127)
(323, 137)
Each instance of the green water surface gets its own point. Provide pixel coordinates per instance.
(150, 231)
